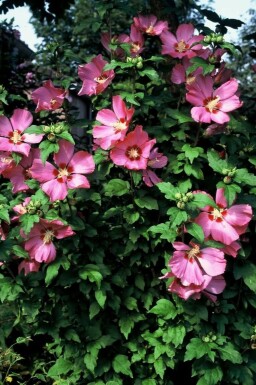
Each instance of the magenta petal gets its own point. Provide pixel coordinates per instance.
(185, 32)
(21, 119)
(119, 107)
(78, 181)
(230, 104)
(42, 172)
(55, 190)
(220, 198)
(32, 138)
(200, 114)
(226, 90)
(45, 253)
(223, 232)
(239, 215)
(82, 163)
(64, 155)
(5, 126)
(212, 261)
(106, 117)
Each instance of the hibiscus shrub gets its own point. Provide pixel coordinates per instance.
(129, 257)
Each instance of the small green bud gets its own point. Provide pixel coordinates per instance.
(190, 195)
(51, 137)
(185, 199)
(139, 65)
(58, 129)
(134, 60)
(46, 129)
(214, 338)
(227, 180)
(219, 39)
(181, 205)
(206, 339)
(128, 60)
(207, 39)
(178, 196)
(225, 171)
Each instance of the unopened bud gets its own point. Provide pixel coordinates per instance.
(181, 205)
(51, 137)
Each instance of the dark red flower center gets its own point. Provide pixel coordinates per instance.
(133, 152)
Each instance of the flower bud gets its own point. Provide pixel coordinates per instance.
(51, 137)
(139, 65)
(46, 129)
(181, 205)
(207, 39)
(178, 196)
(227, 180)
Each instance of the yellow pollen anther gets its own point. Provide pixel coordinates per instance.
(211, 104)
(120, 126)
(16, 137)
(63, 172)
(181, 46)
(193, 252)
(48, 236)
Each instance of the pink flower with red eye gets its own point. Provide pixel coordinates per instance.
(39, 242)
(150, 25)
(114, 123)
(95, 79)
(136, 41)
(56, 181)
(155, 160)
(28, 266)
(48, 97)
(106, 40)
(6, 161)
(12, 138)
(212, 104)
(19, 173)
(183, 44)
(133, 152)
(191, 263)
(224, 224)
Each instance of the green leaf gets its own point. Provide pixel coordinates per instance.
(149, 382)
(92, 273)
(175, 335)
(126, 325)
(198, 62)
(52, 271)
(197, 348)
(100, 297)
(28, 221)
(34, 130)
(165, 309)
(121, 364)
(67, 136)
(147, 202)
(181, 117)
(47, 148)
(168, 189)
(230, 191)
(117, 187)
(60, 367)
(248, 273)
(192, 152)
(160, 367)
(196, 231)
(4, 215)
(244, 177)
(19, 251)
(216, 163)
(201, 200)
(228, 353)
(151, 73)
(177, 216)
(211, 376)
(94, 309)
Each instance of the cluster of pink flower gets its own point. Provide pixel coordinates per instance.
(197, 269)
(194, 269)
(55, 181)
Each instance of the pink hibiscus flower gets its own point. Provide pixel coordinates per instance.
(12, 138)
(212, 105)
(48, 97)
(95, 79)
(224, 224)
(56, 182)
(150, 25)
(191, 264)
(19, 173)
(39, 243)
(136, 41)
(155, 160)
(133, 152)
(183, 44)
(114, 123)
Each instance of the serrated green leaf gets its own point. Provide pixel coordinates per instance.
(52, 271)
(196, 231)
(117, 187)
(121, 364)
(28, 221)
(164, 309)
(192, 152)
(197, 348)
(126, 325)
(211, 376)
(34, 130)
(61, 366)
(244, 177)
(67, 136)
(160, 367)
(92, 273)
(147, 202)
(216, 163)
(229, 353)
(47, 148)
(175, 335)
(94, 309)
